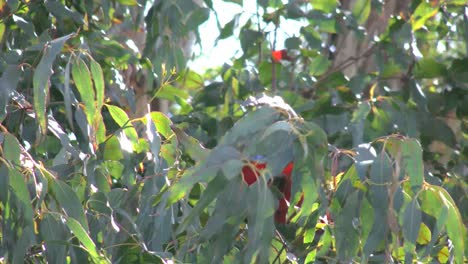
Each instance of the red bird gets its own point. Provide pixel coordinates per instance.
(279, 55)
(251, 174)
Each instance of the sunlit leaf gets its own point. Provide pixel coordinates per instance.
(422, 13)
(326, 6)
(122, 119)
(162, 123)
(82, 78)
(424, 235)
(128, 2)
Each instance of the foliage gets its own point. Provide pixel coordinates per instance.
(379, 154)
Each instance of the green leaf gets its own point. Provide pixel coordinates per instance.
(26, 26)
(250, 124)
(60, 11)
(22, 245)
(228, 29)
(11, 148)
(55, 235)
(413, 163)
(424, 235)
(170, 93)
(41, 79)
(2, 30)
(69, 202)
(98, 79)
(411, 225)
(326, 6)
(347, 236)
(191, 145)
(292, 43)
(212, 190)
(8, 82)
(112, 150)
(128, 2)
(266, 72)
(436, 201)
(121, 118)
(436, 129)
(319, 65)
(361, 112)
(82, 234)
(422, 13)
(197, 17)
(192, 80)
(84, 85)
(67, 94)
(260, 211)
(429, 68)
(154, 141)
(20, 190)
(232, 169)
(163, 124)
(361, 10)
(4, 183)
(456, 229)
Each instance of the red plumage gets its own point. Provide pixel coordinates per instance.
(279, 55)
(250, 175)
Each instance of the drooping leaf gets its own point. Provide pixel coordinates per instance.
(82, 78)
(55, 236)
(82, 234)
(67, 95)
(413, 164)
(411, 225)
(8, 82)
(347, 234)
(19, 189)
(41, 78)
(98, 78)
(436, 201)
(11, 148)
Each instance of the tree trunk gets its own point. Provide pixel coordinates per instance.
(349, 46)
